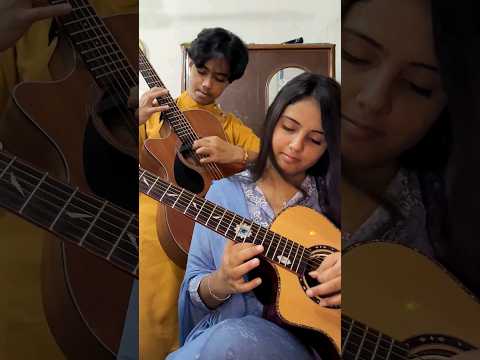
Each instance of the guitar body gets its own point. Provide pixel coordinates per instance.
(403, 294)
(284, 296)
(77, 287)
(174, 230)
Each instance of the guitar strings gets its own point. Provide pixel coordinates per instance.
(191, 135)
(396, 348)
(78, 203)
(229, 216)
(106, 55)
(288, 244)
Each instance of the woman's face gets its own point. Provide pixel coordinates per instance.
(298, 138)
(391, 88)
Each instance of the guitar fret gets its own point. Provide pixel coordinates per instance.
(32, 193)
(360, 346)
(174, 116)
(290, 252)
(8, 166)
(186, 209)
(264, 237)
(345, 341)
(85, 31)
(84, 18)
(374, 354)
(112, 72)
(211, 214)
(165, 191)
(178, 197)
(199, 211)
(300, 261)
(389, 353)
(270, 245)
(122, 234)
(228, 228)
(111, 63)
(92, 223)
(221, 219)
(295, 257)
(279, 240)
(151, 187)
(94, 39)
(256, 233)
(63, 209)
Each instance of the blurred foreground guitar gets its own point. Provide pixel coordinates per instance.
(401, 305)
(85, 220)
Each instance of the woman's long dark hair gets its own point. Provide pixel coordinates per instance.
(326, 92)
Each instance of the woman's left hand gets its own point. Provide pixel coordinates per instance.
(329, 276)
(217, 150)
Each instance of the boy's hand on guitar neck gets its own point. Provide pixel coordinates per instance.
(217, 150)
(149, 104)
(16, 17)
(329, 276)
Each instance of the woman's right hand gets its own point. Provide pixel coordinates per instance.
(238, 259)
(149, 105)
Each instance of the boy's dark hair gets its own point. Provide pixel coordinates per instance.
(218, 43)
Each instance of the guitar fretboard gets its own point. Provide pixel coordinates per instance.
(99, 50)
(86, 220)
(173, 115)
(362, 342)
(278, 249)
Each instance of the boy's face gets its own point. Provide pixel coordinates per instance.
(207, 83)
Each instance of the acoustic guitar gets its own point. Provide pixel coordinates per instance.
(295, 244)
(85, 221)
(174, 152)
(62, 131)
(401, 305)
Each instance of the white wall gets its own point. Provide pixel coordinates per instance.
(165, 24)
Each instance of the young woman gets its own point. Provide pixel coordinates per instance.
(399, 58)
(220, 317)
(394, 126)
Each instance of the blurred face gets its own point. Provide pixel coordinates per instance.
(207, 83)
(391, 89)
(298, 138)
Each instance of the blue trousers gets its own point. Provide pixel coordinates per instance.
(249, 337)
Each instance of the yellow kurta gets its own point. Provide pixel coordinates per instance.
(24, 332)
(160, 278)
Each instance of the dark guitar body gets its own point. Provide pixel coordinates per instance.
(85, 298)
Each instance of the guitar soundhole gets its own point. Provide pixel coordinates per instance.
(319, 252)
(436, 347)
(187, 177)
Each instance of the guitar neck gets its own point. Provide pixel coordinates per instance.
(98, 48)
(278, 249)
(85, 220)
(362, 342)
(173, 115)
